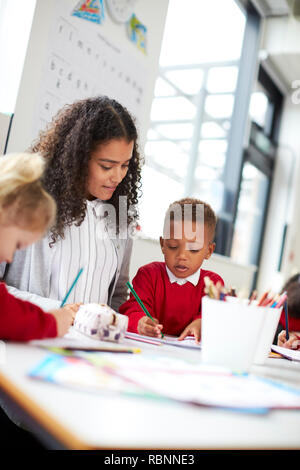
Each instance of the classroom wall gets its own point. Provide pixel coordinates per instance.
(4, 127)
(281, 42)
(152, 14)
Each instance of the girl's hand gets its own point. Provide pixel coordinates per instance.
(73, 307)
(148, 327)
(293, 341)
(194, 329)
(64, 318)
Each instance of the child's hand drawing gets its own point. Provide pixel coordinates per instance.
(149, 328)
(193, 329)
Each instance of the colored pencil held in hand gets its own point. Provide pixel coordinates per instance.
(140, 303)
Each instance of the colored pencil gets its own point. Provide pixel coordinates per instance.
(71, 288)
(262, 298)
(140, 303)
(286, 320)
(281, 300)
(143, 340)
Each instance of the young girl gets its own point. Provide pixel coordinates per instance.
(92, 160)
(26, 211)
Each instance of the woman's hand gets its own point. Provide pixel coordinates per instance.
(194, 329)
(148, 327)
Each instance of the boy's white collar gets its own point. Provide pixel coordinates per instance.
(193, 278)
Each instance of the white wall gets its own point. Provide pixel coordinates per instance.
(4, 126)
(152, 14)
(282, 42)
(15, 24)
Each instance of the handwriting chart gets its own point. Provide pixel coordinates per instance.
(81, 62)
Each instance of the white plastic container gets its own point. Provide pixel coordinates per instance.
(230, 333)
(268, 330)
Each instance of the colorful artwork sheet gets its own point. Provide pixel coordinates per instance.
(168, 378)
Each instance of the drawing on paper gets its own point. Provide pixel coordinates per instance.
(137, 33)
(91, 10)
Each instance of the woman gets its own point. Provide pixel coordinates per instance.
(92, 160)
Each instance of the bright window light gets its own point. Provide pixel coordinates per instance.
(222, 79)
(219, 106)
(172, 108)
(162, 88)
(176, 131)
(188, 81)
(202, 31)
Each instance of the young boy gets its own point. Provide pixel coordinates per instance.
(172, 290)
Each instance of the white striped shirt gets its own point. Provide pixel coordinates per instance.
(89, 247)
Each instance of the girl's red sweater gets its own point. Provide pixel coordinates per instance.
(173, 305)
(23, 321)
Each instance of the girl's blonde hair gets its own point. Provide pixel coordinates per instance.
(23, 201)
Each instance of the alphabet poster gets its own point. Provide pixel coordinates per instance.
(82, 62)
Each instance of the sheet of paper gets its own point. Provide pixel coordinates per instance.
(188, 342)
(77, 341)
(291, 354)
(152, 375)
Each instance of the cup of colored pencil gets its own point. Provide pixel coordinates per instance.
(229, 318)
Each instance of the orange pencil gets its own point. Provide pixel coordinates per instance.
(263, 298)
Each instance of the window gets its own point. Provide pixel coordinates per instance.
(259, 158)
(192, 108)
(250, 215)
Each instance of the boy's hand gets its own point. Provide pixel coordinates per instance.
(194, 328)
(292, 343)
(64, 318)
(148, 327)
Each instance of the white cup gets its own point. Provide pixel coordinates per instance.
(268, 330)
(230, 333)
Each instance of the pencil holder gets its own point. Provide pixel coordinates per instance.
(268, 330)
(230, 333)
(99, 321)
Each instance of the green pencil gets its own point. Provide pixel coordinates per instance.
(141, 303)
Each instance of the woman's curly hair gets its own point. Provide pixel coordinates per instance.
(67, 144)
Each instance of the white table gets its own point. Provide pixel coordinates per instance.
(81, 420)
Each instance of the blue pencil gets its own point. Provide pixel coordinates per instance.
(71, 288)
(286, 320)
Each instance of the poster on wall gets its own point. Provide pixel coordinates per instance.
(90, 10)
(137, 33)
(81, 62)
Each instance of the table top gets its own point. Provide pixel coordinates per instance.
(83, 420)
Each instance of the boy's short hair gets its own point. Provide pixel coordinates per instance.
(292, 288)
(188, 209)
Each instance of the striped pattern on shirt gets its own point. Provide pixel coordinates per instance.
(89, 247)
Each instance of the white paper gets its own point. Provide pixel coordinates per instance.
(292, 354)
(188, 342)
